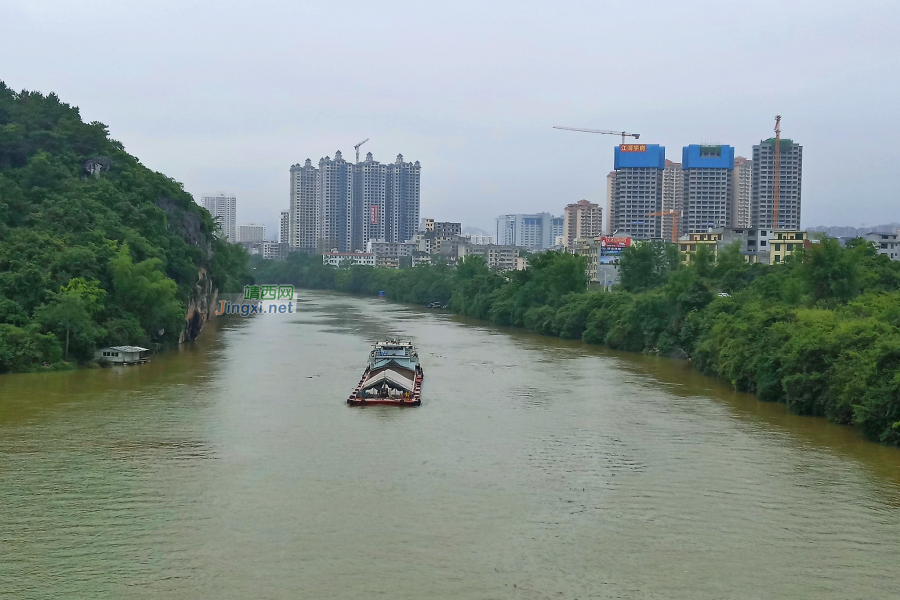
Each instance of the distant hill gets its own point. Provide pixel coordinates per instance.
(849, 231)
(475, 231)
(95, 248)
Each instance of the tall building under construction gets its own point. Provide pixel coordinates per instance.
(762, 200)
(672, 198)
(707, 187)
(637, 191)
(741, 186)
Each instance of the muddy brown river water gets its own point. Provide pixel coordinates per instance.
(534, 469)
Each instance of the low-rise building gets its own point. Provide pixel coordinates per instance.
(478, 239)
(388, 254)
(387, 262)
(425, 242)
(453, 246)
(763, 246)
(602, 256)
(497, 258)
(784, 243)
(589, 249)
(123, 355)
(421, 258)
(885, 243)
(339, 259)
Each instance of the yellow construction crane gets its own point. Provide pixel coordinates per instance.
(674, 214)
(624, 134)
(776, 192)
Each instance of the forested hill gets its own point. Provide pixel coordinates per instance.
(95, 248)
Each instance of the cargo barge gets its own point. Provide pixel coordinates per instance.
(393, 377)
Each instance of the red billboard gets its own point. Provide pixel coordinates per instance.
(614, 245)
(373, 214)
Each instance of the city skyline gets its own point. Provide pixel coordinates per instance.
(479, 114)
(340, 205)
(739, 202)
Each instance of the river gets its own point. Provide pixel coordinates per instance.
(534, 469)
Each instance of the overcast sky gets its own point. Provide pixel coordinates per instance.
(226, 95)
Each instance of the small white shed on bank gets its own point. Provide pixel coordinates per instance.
(126, 355)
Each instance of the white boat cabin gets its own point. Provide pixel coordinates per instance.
(399, 354)
(123, 355)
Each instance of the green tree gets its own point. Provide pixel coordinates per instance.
(144, 291)
(829, 272)
(70, 314)
(647, 265)
(23, 348)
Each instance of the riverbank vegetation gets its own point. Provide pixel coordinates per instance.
(820, 332)
(95, 248)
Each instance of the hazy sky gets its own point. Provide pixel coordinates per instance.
(227, 95)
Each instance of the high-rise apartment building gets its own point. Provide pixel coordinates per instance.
(251, 232)
(637, 190)
(762, 199)
(402, 199)
(536, 231)
(344, 206)
(303, 222)
(506, 230)
(582, 219)
(369, 201)
(557, 230)
(741, 186)
(707, 187)
(223, 208)
(284, 227)
(672, 199)
(336, 210)
(610, 180)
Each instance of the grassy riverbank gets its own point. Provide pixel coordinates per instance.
(820, 332)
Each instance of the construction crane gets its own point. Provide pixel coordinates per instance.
(356, 147)
(624, 134)
(674, 214)
(776, 191)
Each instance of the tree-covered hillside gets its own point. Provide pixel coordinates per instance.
(95, 248)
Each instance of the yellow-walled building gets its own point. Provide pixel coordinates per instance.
(757, 245)
(784, 243)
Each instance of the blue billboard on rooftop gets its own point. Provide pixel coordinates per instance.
(697, 156)
(640, 155)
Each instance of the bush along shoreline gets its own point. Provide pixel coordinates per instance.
(819, 332)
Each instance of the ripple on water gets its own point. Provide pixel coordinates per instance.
(536, 468)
